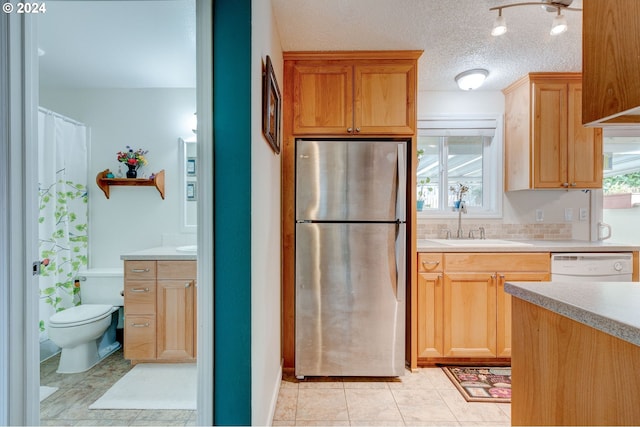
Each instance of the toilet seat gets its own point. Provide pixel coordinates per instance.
(80, 315)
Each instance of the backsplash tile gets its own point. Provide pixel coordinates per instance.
(434, 229)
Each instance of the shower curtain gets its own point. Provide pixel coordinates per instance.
(62, 182)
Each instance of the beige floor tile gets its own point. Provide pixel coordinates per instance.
(411, 380)
(323, 423)
(506, 408)
(365, 423)
(473, 411)
(422, 406)
(321, 404)
(320, 382)
(438, 379)
(372, 404)
(277, 423)
(433, 424)
(366, 383)
(286, 405)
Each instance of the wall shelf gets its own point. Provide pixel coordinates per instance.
(105, 183)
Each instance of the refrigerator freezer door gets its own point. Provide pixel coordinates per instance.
(350, 180)
(350, 299)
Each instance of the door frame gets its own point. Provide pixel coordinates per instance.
(19, 360)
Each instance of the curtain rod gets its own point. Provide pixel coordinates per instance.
(60, 116)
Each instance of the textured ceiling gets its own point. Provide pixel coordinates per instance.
(455, 35)
(152, 43)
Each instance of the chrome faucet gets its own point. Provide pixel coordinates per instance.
(462, 208)
(482, 233)
(447, 233)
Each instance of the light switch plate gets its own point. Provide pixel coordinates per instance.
(568, 214)
(539, 215)
(584, 214)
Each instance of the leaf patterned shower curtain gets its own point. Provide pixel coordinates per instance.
(62, 182)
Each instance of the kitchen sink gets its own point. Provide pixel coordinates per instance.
(478, 242)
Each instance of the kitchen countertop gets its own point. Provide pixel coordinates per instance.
(165, 253)
(425, 245)
(611, 307)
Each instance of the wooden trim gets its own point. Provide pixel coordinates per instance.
(351, 55)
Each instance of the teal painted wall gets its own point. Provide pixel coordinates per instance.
(232, 183)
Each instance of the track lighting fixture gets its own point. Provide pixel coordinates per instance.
(558, 26)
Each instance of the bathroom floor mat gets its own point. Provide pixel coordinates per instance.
(153, 386)
(46, 391)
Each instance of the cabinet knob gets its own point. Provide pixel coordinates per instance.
(187, 284)
(573, 184)
(140, 290)
(139, 270)
(565, 184)
(357, 129)
(430, 264)
(349, 130)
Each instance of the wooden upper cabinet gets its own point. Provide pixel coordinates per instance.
(352, 93)
(610, 66)
(546, 145)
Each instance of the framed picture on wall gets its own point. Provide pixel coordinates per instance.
(191, 166)
(191, 191)
(271, 107)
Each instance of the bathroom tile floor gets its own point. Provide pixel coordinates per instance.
(425, 397)
(69, 405)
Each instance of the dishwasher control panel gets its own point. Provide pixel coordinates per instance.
(592, 264)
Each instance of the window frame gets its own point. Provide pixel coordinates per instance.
(492, 154)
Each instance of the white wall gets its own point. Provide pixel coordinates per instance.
(519, 206)
(265, 226)
(134, 218)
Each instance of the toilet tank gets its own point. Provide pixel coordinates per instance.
(102, 286)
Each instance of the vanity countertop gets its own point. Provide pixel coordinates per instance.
(160, 253)
(426, 245)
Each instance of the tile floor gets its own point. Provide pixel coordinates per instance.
(69, 405)
(422, 398)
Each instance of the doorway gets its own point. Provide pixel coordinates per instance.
(19, 366)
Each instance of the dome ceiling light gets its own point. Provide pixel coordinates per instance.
(471, 79)
(558, 26)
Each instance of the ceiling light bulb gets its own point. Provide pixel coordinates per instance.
(559, 25)
(471, 79)
(499, 25)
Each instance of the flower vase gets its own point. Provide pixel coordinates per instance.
(132, 173)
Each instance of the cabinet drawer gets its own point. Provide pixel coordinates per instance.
(140, 337)
(428, 262)
(139, 297)
(177, 269)
(139, 269)
(502, 262)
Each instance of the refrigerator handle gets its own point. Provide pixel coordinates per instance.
(401, 191)
(401, 246)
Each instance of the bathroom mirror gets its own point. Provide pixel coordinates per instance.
(189, 178)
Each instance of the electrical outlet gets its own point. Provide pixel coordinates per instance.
(584, 214)
(568, 214)
(539, 215)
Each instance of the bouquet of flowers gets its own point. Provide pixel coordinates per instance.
(459, 190)
(132, 158)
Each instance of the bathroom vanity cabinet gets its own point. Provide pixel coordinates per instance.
(160, 310)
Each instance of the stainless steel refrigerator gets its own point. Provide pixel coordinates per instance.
(350, 257)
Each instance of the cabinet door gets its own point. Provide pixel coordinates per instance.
(550, 135)
(504, 306)
(175, 319)
(322, 99)
(385, 99)
(430, 294)
(469, 315)
(585, 146)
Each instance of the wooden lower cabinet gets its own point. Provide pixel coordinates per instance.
(463, 311)
(160, 314)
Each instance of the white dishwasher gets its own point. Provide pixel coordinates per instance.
(592, 267)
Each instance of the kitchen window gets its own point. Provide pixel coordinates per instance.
(456, 151)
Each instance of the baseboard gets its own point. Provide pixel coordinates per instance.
(274, 395)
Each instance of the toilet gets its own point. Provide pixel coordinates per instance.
(87, 333)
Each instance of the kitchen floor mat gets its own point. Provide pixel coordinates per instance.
(481, 384)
